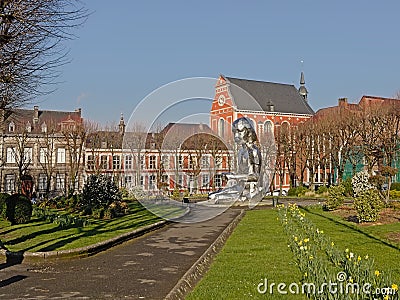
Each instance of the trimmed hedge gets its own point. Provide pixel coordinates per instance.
(3, 205)
(18, 209)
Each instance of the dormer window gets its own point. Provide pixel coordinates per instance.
(11, 127)
(44, 127)
(28, 127)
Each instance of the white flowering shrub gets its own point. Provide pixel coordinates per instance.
(360, 183)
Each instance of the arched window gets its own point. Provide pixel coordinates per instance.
(11, 127)
(221, 128)
(285, 127)
(28, 127)
(268, 127)
(44, 127)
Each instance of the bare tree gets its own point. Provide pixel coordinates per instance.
(22, 155)
(47, 154)
(135, 141)
(74, 136)
(31, 45)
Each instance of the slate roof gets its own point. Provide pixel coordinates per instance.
(284, 97)
(21, 117)
(104, 139)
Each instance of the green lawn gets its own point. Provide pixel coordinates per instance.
(44, 236)
(258, 249)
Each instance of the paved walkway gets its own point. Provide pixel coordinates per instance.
(145, 268)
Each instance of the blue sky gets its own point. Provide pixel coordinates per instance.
(127, 49)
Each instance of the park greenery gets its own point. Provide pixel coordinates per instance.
(60, 230)
(295, 245)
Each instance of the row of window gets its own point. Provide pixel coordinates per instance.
(150, 181)
(103, 162)
(10, 181)
(28, 127)
(266, 127)
(13, 155)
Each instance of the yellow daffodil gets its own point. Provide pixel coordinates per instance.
(395, 287)
(377, 273)
(332, 244)
(386, 297)
(359, 258)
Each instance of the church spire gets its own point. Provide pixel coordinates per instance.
(121, 124)
(302, 89)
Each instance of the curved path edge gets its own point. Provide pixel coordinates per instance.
(202, 265)
(82, 251)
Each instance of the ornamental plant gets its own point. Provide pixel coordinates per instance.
(335, 197)
(99, 192)
(360, 183)
(368, 205)
(18, 209)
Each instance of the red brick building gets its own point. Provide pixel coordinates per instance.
(268, 105)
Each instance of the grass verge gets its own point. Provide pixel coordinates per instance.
(40, 235)
(257, 249)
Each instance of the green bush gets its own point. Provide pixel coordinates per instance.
(298, 191)
(98, 213)
(72, 201)
(394, 194)
(368, 205)
(335, 197)
(19, 209)
(348, 187)
(99, 192)
(3, 205)
(395, 186)
(124, 192)
(176, 194)
(322, 189)
(109, 213)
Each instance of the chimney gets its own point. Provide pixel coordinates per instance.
(35, 115)
(342, 102)
(78, 110)
(270, 106)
